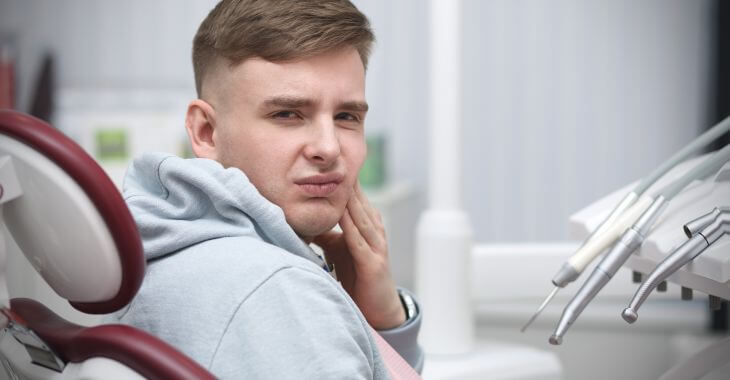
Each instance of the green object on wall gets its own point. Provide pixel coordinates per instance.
(112, 144)
(372, 174)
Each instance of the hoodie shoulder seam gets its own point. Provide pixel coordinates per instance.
(266, 280)
(238, 307)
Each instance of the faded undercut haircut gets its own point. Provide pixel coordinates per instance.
(278, 30)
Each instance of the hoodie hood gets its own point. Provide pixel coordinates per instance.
(178, 203)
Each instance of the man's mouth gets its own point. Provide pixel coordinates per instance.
(320, 185)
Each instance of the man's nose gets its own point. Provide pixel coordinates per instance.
(323, 145)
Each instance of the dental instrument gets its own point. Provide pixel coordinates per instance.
(600, 239)
(686, 252)
(592, 247)
(696, 225)
(632, 240)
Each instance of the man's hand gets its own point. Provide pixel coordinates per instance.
(360, 256)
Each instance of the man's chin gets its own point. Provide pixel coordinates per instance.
(308, 234)
(309, 226)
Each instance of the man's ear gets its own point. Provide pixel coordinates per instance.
(201, 125)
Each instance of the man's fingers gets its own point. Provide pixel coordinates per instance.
(371, 211)
(365, 224)
(359, 248)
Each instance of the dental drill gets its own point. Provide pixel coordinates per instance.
(622, 216)
(688, 251)
(630, 241)
(696, 225)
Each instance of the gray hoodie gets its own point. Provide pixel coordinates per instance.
(230, 284)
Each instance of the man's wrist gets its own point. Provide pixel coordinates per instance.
(389, 316)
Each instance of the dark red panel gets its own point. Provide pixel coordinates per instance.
(101, 191)
(149, 356)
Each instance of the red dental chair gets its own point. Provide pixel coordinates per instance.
(74, 228)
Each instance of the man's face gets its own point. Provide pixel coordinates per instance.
(296, 130)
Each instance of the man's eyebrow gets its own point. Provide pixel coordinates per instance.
(287, 102)
(355, 106)
(296, 102)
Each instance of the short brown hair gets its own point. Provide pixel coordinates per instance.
(278, 30)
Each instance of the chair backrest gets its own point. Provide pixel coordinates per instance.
(73, 226)
(71, 222)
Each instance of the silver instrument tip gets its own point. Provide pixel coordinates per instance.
(629, 315)
(532, 319)
(540, 309)
(555, 340)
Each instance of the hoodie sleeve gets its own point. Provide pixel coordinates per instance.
(404, 338)
(296, 325)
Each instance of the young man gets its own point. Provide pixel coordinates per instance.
(279, 132)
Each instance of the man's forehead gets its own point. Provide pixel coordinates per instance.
(340, 74)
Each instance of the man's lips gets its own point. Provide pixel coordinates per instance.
(320, 185)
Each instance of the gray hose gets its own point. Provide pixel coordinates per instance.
(702, 170)
(700, 142)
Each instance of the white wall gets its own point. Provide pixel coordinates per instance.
(105, 43)
(567, 100)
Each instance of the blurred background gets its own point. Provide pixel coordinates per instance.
(564, 101)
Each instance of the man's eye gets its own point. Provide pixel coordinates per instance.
(285, 115)
(347, 116)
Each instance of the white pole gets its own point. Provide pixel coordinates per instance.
(445, 104)
(444, 234)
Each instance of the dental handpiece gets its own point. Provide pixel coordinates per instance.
(568, 272)
(686, 252)
(609, 265)
(577, 263)
(694, 226)
(631, 240)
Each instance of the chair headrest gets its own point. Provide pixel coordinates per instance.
(71, 221)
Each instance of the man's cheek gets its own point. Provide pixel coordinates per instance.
(357, 151)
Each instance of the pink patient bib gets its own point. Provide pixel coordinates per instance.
(397, 366)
